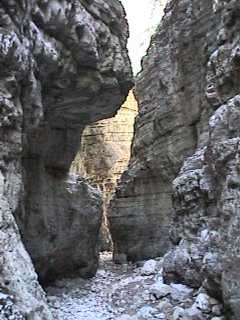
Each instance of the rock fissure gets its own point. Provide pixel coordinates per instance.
(104, 155)
(61, 69)
(162, 174)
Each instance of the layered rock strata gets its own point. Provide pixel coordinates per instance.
(172, 110)
(188, 96)
(64, 64)
(104, 155)
(206, 192)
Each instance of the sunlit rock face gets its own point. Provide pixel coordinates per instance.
(187, 132)
(64, 64)
(104, 155)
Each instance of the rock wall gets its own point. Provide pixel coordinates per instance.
(188, 94)
(21, 297)
(64, 64)
(206, 192)
(171, 94)
(104, 155)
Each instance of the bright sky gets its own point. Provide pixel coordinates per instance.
(143, 17)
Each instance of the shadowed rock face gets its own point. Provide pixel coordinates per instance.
(84, 75)
(64, 64)
(206, 192)
(188, 94)
(172, 107)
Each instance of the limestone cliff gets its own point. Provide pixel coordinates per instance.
(104, 155)
(64, 64)
(188, 94)
(206, 192)
(171, 94)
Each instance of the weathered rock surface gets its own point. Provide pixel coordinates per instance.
(206, 192)
(21, 297)
(189, 103)
(69, 235)
(64, 64)
(104, 155)
(79, 73)
(172, 111)
(121, 292)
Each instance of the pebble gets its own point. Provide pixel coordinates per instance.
(149, 268)
(120, 292)
(164, 306)
(179, 314)
(125, 317)
(194, 314)
(160, 316)
(146, 312)
(180, 292)
(160, 290)
(203, 303)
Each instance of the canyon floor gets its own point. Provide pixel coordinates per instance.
(115, 290)
(129, 292)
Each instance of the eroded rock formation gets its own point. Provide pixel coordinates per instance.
(171, 94)
(188, 95)
(21, 297)
(64, 64)
(206, 192)
(104, 155)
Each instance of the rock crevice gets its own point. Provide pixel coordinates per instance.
(173, 114)
(183, 173)
(64, 64)
(104, 154)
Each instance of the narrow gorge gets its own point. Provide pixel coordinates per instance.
(119, 194)
(104, 155)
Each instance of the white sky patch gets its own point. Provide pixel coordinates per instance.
(143, 17)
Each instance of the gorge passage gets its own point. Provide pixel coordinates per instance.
(64, 67)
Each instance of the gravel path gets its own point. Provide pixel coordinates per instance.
(115, 290)
(130, 292)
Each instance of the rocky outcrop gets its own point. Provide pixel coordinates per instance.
(21, 297)
(206, 192)
(189, 103)
(104, 155)
(64, 64)
(83, 75)
(172, 112)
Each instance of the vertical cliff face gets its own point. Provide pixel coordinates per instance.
(84, 75)
(21, 296)
(188, 94)
(206, 192)
(104, 155)
(171, 94)
(64, 64)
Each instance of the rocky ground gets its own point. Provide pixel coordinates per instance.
(129, 292)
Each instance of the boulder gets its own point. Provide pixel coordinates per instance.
(160, 290)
